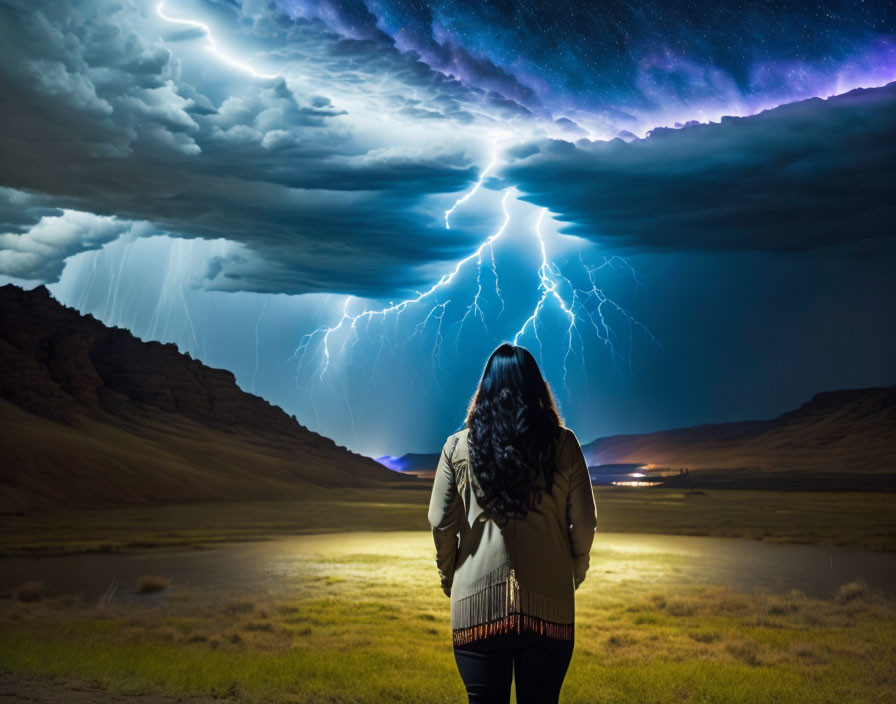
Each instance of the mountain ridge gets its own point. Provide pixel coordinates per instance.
(836, 430)
(93, 415)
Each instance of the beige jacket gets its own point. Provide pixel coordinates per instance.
(526, 574)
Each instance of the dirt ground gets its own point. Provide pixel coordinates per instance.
(15, 689)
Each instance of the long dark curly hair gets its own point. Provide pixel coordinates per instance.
(513, 432)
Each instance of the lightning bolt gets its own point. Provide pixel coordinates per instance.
(257, 357)
(548, 286)
(466, 197)
(213, 45)
(352, 320)
(603, 330)
(583, 307)
(577, 307)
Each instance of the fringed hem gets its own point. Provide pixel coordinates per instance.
(517, 623)
(499, 595)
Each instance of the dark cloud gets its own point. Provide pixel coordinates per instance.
(128, 123)
(416, 29)
(36, 238)
(19, 212)
(100, 118)
(799, 177)
(655, 56)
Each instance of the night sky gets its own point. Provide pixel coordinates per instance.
(685, 210)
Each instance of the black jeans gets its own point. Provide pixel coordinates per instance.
(537, 662)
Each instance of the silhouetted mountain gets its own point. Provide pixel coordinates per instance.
(421, 465)
(94, 416)
(850, 431)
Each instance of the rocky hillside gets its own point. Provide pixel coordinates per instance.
(92, 415)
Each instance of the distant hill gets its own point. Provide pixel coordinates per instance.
(422, 465)
(846, 432)
(93, 416)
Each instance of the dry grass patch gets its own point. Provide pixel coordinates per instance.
(239, 606)
(809, 653)
(151, 583)
(658, 600)
(621, 640)
(259, 626)
(30, 591)
(681, 606)
(705, 636)
(746, 651)
(851, 591)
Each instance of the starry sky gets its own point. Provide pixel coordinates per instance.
(685, 210)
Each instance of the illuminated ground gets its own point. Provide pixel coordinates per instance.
(359, 617)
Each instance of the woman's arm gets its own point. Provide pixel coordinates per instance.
(445, 514)
(581, 511)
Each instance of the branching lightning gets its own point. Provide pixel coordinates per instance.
(469, 194)
(586, 306)
(577, 306)
(442, 306)
(397, 308)
(548, 286)
(213, 45)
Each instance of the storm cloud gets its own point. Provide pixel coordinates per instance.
(803, 176)
(330, 164)
(100, 117)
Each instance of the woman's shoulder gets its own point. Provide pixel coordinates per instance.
(565, 434)
(455, 440)
(460, 435)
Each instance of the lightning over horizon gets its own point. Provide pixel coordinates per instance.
(549, 278)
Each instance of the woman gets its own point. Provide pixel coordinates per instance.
(513, 519)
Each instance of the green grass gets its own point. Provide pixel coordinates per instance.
(851, 519)
(366, 622)
(359, 622)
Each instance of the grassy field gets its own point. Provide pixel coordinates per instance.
(844, 518)
(362, 623)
